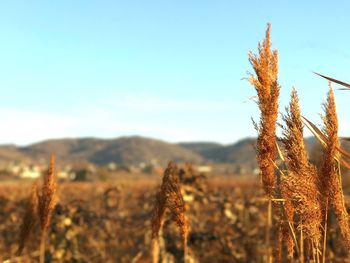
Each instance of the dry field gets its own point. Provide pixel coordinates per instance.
(111, 222)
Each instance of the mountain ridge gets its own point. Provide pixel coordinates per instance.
(131, 150)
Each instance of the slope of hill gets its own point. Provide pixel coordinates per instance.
(123, 150)
(10, 153)
(241, 152)
(135, 149)
(202, 148)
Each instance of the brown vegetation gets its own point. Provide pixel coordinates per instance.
(29, 219)
(39, 209)
(307, 192)
(300, 183)
(266, 85)
(169, 197)
(330, 176)
(227, 223)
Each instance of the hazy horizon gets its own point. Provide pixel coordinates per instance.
(308, 136)
(126, 136)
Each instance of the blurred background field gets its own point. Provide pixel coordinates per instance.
(110, 221)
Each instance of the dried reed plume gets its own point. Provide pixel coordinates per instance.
(169, 197)
(330, 176)
(300, 186)
(265, 65)
(47, 203)
(30, 218)
(48, 197)
(286, 233)
(40, 210)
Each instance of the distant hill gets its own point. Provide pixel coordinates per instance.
(241, 152)
(133, 150)
(136, 149)
(123, 150)
(202, 148)
(11, 152)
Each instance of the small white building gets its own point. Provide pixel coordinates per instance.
(30, 172)
(204, 168)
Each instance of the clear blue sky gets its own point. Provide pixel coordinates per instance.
(166, 69)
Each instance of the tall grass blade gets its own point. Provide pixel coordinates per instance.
(334, 80)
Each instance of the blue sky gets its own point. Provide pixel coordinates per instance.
(165, 69)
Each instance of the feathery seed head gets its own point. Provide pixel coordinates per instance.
(265, 66)
(29, 219)
(330, 175)
(48, 198)
(300, 186)
(169, 197)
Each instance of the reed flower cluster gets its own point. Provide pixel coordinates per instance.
(265, 81)
(300, 184)
(30, 218)
(169, 197)
(330, 176)
(39, 210)
(306, 191)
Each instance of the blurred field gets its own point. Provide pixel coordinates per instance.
(110, 222)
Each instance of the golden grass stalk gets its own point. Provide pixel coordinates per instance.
(48, 196)
(47, 203)
(157, 221)
(301, 243)
(169, 197)
(268, 234)
(300, 186)
(30, 218)
(265, 66)
(346, 85)
(278, 249)
(325, 234)
(330, 177)
(40, 208)
(288, 236)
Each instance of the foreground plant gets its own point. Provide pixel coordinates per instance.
(298, 188)
(330, 175)
(300, 184)
(47, 203)
(30, 218)
(40, 209)
(169, 197)
(265, 81)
